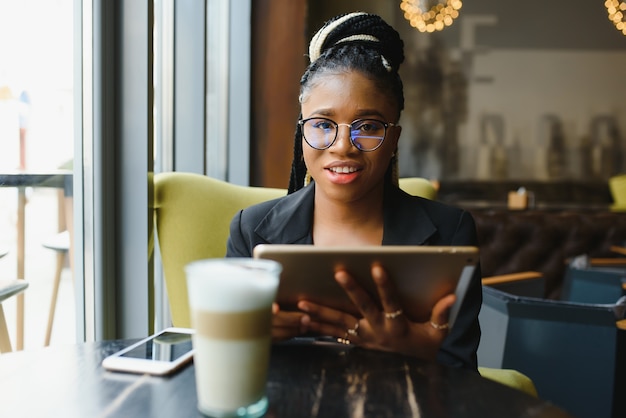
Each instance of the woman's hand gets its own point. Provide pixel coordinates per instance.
(286, 325)
(387, 329)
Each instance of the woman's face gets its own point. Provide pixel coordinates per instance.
(342, 171)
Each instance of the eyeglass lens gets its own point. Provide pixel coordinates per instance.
(366, 134)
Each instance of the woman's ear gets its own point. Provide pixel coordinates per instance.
(396, 138)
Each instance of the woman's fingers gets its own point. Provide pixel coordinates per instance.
(288, 324)
(328, 321)
(333, 330)
(441, 312)
(382, 326)
(392, 310)
(361, 299)
(341, 320)
(387, 315)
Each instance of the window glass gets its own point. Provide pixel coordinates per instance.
(36, 136)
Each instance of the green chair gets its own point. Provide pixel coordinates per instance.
(617, 187)
(192, 216)
(418, 186)
(509, 377)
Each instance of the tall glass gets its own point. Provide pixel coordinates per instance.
(231, 311)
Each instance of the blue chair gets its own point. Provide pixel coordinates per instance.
(573, 352)
(593, 284)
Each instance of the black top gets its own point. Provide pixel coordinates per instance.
(408, 220)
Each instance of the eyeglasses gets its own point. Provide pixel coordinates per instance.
(365, 134)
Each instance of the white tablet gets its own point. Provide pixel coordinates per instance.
(422, 274)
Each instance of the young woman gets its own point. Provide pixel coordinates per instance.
(344, 191)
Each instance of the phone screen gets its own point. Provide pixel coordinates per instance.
(167, 346)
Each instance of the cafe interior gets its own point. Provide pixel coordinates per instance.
(514, 111)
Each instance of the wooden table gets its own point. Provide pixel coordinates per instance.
(305, 380)
(61, 179)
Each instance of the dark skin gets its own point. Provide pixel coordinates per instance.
(349, 211)
(375, 330)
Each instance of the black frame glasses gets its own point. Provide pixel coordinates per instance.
(365, 134)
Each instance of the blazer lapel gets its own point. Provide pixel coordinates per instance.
(290, 220)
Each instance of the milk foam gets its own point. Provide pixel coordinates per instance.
(232, 284)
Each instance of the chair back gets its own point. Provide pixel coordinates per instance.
(571, 351)
(418, 186)
(192, 217)
(593, 284)
(617, 186)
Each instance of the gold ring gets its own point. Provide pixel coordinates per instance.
(439, 327)
(344, 340)
(354, 331)
(393, 315)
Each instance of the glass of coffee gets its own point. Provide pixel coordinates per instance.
(231, 311)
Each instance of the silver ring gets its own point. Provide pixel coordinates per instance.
(354, 331)
(393, 315)
(439, 327)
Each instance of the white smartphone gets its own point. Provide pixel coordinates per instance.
(159, 354)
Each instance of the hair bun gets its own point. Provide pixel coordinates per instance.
(363, 28)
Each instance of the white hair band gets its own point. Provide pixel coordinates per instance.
(315, 46)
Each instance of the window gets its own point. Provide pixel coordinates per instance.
(36, 136)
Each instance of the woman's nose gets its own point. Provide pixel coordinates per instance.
(343, 141)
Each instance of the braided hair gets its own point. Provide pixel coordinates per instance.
(353, 41)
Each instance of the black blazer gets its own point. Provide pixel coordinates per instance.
(408, 220)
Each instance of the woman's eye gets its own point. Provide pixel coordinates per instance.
(323, 125)
(366, 126)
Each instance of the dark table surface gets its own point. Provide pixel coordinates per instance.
(305, 380)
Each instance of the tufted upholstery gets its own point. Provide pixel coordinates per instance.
(514, 241)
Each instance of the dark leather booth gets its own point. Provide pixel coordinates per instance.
(513, 241)
(556, 329)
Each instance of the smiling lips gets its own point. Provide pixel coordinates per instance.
(343, 174)
(343, 170)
